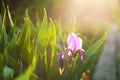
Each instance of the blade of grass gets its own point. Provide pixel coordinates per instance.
(25, 75)
(91, 50)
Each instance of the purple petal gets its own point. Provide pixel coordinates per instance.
(60, 56)
(74, 43)
(69, 52)
(82, 55)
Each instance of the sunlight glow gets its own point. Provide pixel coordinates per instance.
(93, 9)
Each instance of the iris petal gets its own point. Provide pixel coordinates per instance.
(60, 56)
(69, 52)
(83, 55)
(74, 43)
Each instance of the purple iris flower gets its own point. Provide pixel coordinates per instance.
(74, 43)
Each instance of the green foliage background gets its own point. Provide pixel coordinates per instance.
(31, 52)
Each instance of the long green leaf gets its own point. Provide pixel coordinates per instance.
(11, 44)
(53, 31)
(91, 50)
(1, 62)
(25, 75)
(52, 39)
(23, 41)
(42, 34)
(4, 34)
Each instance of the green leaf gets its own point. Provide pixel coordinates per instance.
(42, 34)
(4, 34)
(91, 50)
(25, 33)
(25, 75)
(11, 61)
(53, 31)
(23, 42)
(45, 60)
(1, 62)
(34, 55)
(52, 39)
(12, 43)
(34, 77)
(53, 54)
(38, 23)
